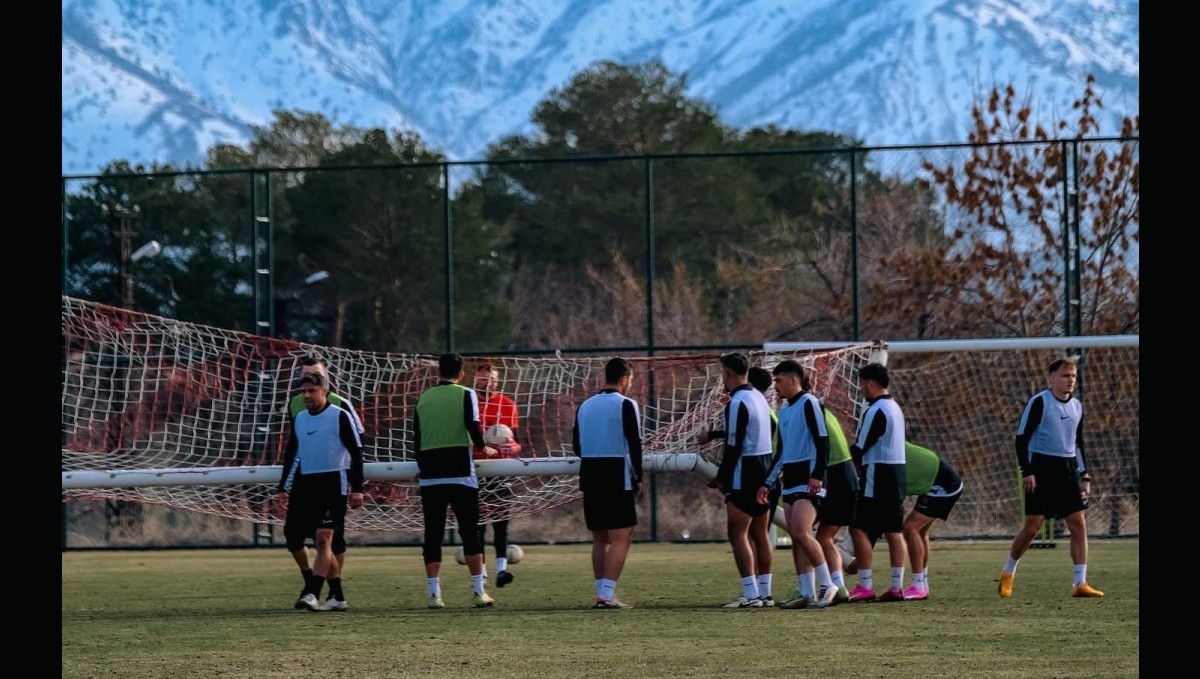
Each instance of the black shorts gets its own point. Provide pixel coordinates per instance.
(936, 506)
(1058, 493)
(883, 511)
(841, 495)
(792, 498)
(747, 502)
(751, 472)
(314, 502)
(796, 476)
(609, 509)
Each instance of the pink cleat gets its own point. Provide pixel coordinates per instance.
(860, 593)
(914, 594)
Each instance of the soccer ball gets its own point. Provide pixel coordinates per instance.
(515, 554)
(497, 434)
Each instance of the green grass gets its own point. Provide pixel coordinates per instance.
(228, 613)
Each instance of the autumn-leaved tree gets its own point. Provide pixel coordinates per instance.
(1020, 211)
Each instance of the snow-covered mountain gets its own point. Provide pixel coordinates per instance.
(163, 80)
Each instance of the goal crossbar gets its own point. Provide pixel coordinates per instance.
(998, 344)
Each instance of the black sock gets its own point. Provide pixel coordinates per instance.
(315, 585)
(335, 589)
(307, 575)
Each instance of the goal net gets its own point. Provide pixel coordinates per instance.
(160, 412)
(964, 398)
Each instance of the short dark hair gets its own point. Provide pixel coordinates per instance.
(760, 378)
(876, 372)
(792, 366)
(311, 361)
(315, 379)
(737, 362)
(484, 367)
(450, 365)
(1060, 362)
(616, 368)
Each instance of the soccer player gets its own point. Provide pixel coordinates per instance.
(804, 451)
(496, 408)
(322, 475)
(1054, 477)
(608, 440)
(879, 451)
(445, 431)
(295, 542)
(937, 485)
(837, 507)
(760, 378)
(745, 463)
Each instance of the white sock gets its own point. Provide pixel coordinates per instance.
(864, 578)
(918, 580)
(750, 587)
(501, 564)
(764, 585)
(897, 577)
(809, 588)
(483, 571)
(434, 585)
(598, 581)
(607, 588)
(823, 576)
(477, 583)
(1010, 566)
(1080, 574)
(838, 578)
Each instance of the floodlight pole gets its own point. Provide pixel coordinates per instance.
(124, 234)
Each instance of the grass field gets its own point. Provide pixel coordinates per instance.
(228, 613)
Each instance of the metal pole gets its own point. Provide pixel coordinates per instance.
(449, 257)
(124, 234)
(648, 170)
(66, 241)
(855, 330)
(263, 247)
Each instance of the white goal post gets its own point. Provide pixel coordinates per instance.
(379, 471)
(997, 344)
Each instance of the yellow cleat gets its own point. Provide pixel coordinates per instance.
(435, 601)
(1006, 583)
(1087, 591)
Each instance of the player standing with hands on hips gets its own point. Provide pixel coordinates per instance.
(1054, 477)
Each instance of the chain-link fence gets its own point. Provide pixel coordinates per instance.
(629, 253)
